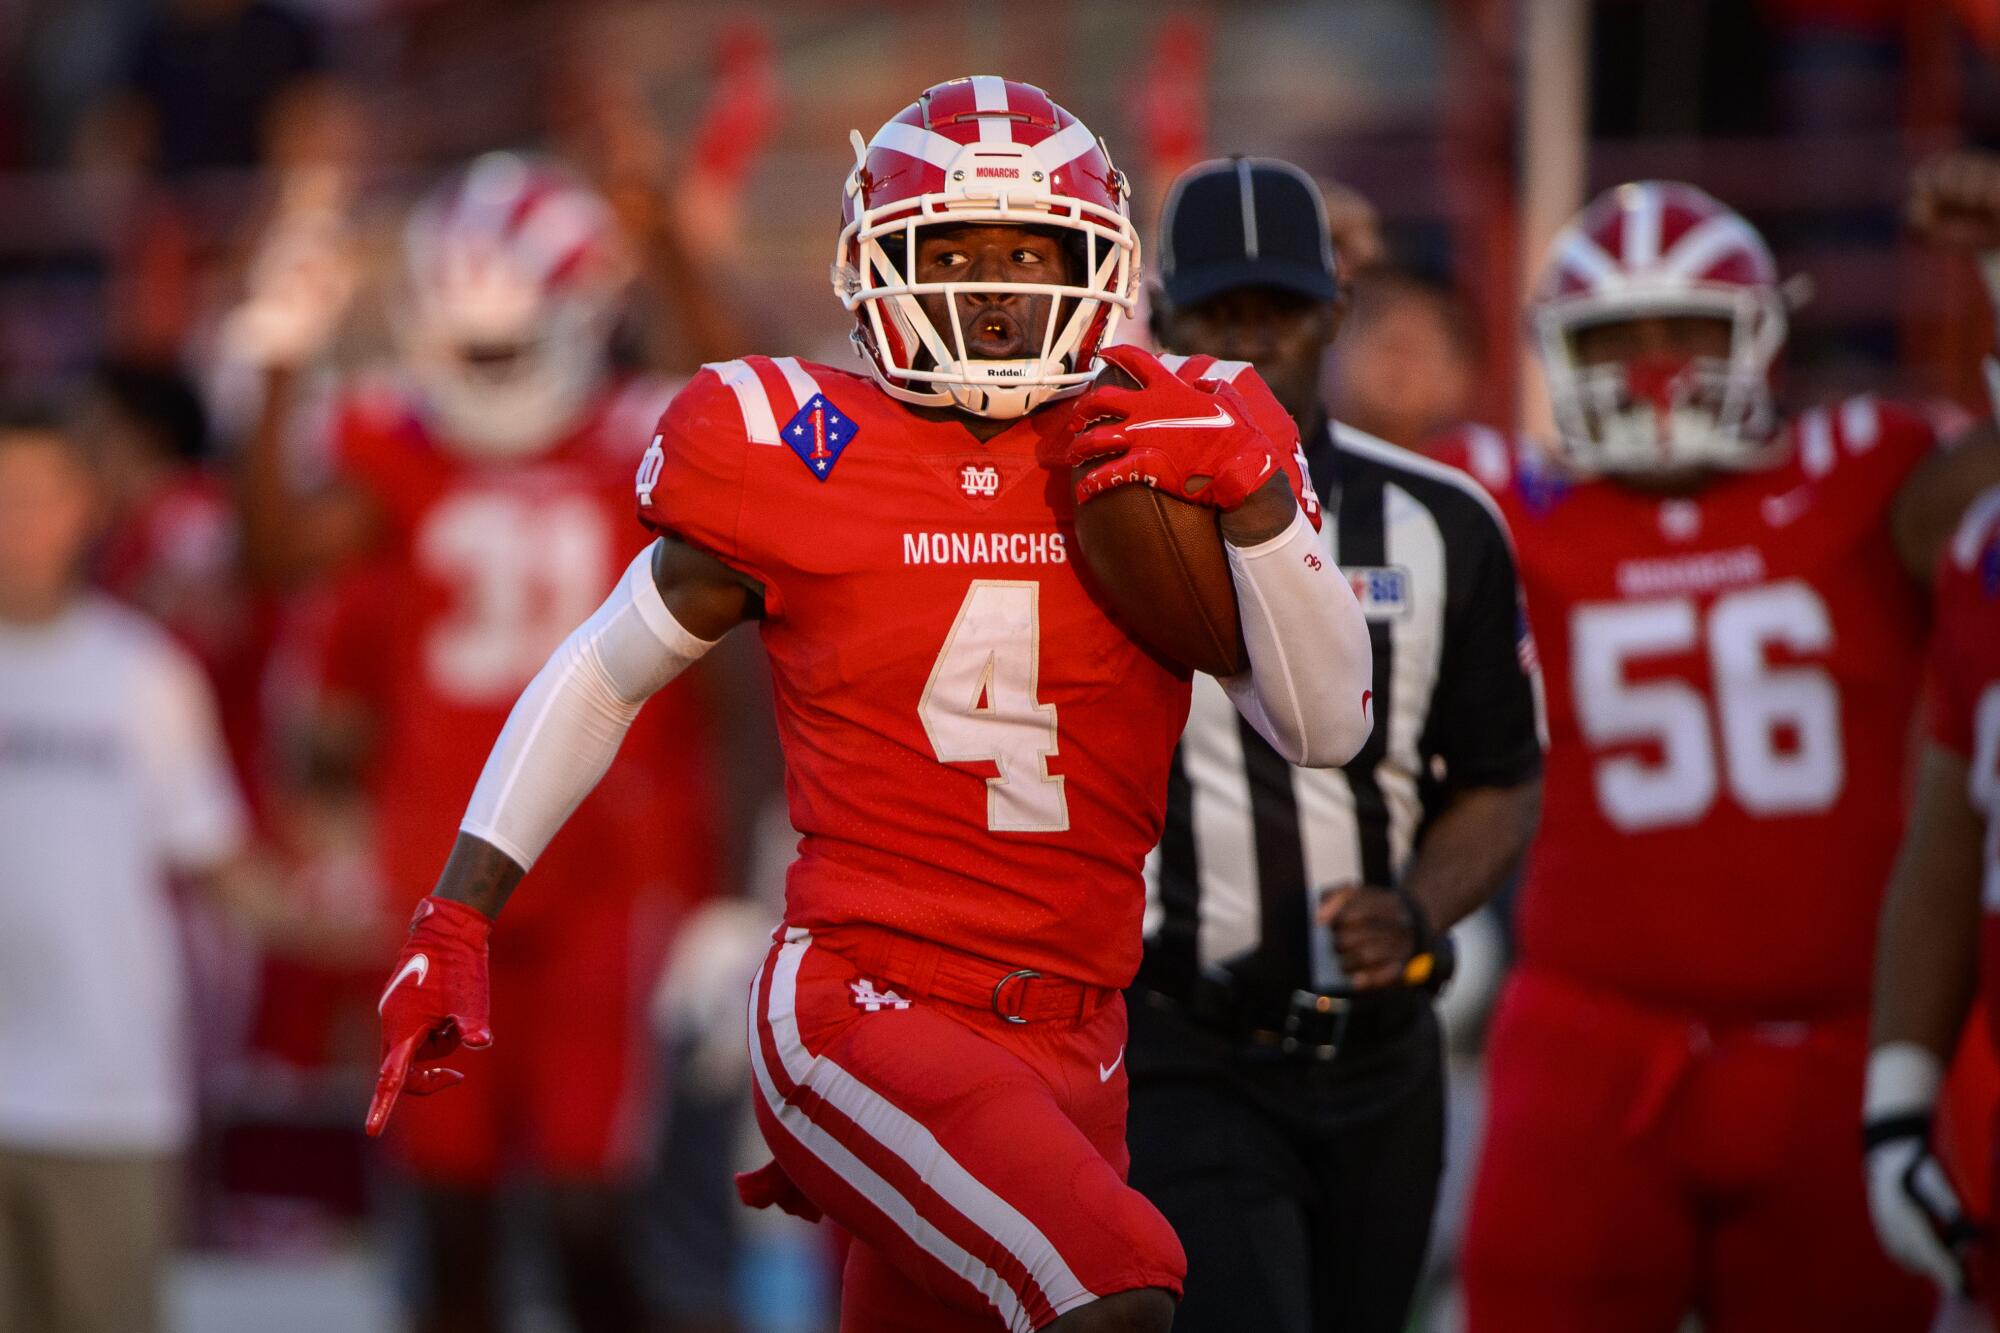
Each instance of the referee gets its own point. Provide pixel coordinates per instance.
(1287, 1078)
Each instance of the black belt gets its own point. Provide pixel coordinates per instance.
(1299, 1025)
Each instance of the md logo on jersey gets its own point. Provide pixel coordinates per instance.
(1382, 590)
(980, 481)
(819, 433)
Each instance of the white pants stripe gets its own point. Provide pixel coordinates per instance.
(899, 1133)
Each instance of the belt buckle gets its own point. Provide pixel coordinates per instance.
(1022, 974)
(1327, 1015)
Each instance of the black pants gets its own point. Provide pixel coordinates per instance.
(1302, 1191)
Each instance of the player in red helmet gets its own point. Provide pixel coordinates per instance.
(976, 754)
(1726, 609)
(485, 471)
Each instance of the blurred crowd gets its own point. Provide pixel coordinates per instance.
(251, 250)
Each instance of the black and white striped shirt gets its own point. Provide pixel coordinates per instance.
(1250, 841)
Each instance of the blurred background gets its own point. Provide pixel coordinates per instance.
(202, 213)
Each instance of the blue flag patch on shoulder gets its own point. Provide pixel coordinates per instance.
(818, 434)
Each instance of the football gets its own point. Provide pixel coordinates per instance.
(1158, 565)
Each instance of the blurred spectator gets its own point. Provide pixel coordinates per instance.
(172, 545)
(1405, 367)
(112, 780)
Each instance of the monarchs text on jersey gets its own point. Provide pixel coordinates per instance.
(975, 753)
(1730, 679)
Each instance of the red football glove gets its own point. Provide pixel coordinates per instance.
(1170, 435)
(435, 1002)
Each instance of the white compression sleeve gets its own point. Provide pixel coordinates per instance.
(568, 724)
(1306, 691)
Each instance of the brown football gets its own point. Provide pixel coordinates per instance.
(1159, 566)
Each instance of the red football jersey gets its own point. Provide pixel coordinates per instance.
(1965, 698)
(483, 570)
(975, 754)
(1730, 682)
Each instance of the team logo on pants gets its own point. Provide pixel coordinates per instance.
(874, 1001)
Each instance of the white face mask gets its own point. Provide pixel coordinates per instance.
(917, 362)
(506, 371)
(1653, 416)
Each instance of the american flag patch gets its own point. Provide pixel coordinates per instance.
(1382, 590)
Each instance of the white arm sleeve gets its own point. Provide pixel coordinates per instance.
(568, 724)
(1306, 691)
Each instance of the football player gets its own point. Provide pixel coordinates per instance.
(1727, 607)
(1940, 933)
(485, 472)
(1941, 922)
(976, 753)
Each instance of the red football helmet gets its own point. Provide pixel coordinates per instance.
(515, 269)
(982, 149)
(1660, 249)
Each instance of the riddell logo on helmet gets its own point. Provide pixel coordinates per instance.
(1004, 173)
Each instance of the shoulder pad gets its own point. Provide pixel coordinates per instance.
(1491, 457)
(1857, 428)
(768, 391)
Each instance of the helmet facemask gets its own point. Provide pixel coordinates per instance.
(1654, 414)
(916, 361)
(509, 328)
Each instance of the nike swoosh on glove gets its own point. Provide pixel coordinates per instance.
(1195, 442)
(435, 1002)
(1918, 1217)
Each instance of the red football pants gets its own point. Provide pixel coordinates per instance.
(568, 1089)
(1640, 1165)
(979, 1165)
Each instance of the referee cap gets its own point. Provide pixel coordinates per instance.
(1245, 222)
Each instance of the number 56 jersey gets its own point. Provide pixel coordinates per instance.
(1730, 676)
(975, 754)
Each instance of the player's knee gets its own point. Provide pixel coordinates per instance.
(1149, 1310)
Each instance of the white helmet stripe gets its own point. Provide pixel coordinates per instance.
(554, 229)
(915, 141)
(1642, 227)
(491, 192)
(1708, 241)
(1585, 259)
(990, 94)
(1066, 145)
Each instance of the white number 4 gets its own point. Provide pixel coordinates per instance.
(1779, 726)
(979, 706)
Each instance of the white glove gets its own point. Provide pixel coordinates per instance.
(301, 283)
(1918, 1217)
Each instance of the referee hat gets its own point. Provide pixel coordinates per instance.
(1245, 222)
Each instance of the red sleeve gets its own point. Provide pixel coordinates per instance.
(1864, 449)
(691, 479)
(379, 449)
